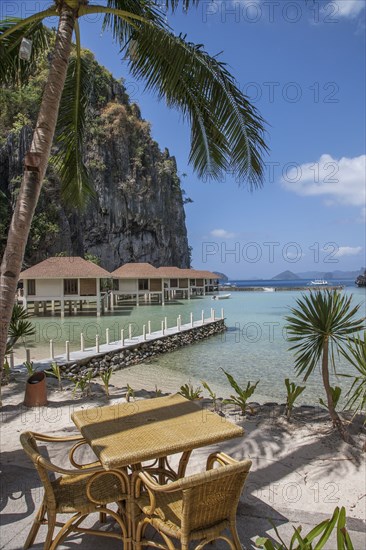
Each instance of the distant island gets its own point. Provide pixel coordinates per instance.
(285, 276)
(223, 278)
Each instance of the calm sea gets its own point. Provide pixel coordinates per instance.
(254, 347)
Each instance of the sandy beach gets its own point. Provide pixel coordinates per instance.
(301, 470)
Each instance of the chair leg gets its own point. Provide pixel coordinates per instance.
(35, 527)
(66, 528)
(51, 523)
(102, 517)
(234, 533)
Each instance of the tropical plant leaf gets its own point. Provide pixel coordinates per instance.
(226, 130)
(355, 353)
(20, 327)
(123, 28)
(319, 316)
(70, 133)
(13, 70)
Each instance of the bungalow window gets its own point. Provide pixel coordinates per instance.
(173, 283)
(70, 286)
(31, 287)
(143, 284)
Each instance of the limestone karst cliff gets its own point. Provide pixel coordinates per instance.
(138, 213)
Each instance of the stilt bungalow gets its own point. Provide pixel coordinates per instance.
(69, 281)
(138, 282)
(142, 282)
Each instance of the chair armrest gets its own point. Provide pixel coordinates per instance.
(221, 458)
(56, 439)
(119, 474)
(58, 470)
(76, 464)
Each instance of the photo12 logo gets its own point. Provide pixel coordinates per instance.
(271, 11)
(269, 252)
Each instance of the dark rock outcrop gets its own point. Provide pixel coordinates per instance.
(138, 213)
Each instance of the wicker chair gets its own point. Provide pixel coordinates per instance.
(80, 492)
(195, 508)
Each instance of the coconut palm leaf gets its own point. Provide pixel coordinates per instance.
(319, 316)
(14, 70)
(227, 132)
(70, 131)
(184, 4)
(122, 27)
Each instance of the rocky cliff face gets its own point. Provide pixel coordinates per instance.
(138, 213)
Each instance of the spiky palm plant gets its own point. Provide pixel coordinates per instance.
(226, 130)
(355, 353)
(318, 326)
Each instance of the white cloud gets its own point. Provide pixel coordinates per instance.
(222, 234)
(348, 251)
(338, 181)
(347, 8)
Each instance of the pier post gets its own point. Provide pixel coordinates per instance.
(191, 319)
(165, 323)
(179, 322)
(222, 313)
(178, 326)
(162, 327)
(122, 337)
(82, 343)
(11, 359)
(67, 346)
(52, 350)
(213, 315)
(203, 317)
(107, 336)
(149, 327)
(144, 332)
(27, 355)
(130, 331)
(97, 343)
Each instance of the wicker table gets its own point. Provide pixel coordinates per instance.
(127, 434)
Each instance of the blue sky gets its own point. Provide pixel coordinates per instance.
(302, 62)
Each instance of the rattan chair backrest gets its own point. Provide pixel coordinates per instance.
(212, 496)
(30, 446)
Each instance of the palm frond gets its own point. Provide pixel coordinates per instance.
(13, 70)
(355, 353)
(184, 4)
(227, 131)
(70, 133)
(319, 316)
(121, 27)
(20, 327)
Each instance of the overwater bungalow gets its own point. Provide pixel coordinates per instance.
(144, 282)
(137, 281)
(69, 281)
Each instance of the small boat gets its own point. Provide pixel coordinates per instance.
(319, 282)
(268, 289)
(221, 296)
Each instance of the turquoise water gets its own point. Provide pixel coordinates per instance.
(253, 348)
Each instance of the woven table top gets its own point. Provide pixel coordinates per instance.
(129, 433)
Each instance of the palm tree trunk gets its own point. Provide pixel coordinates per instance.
(337, 422)
(32, 180)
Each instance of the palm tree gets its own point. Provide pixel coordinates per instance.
(226, 130)
(319, 325)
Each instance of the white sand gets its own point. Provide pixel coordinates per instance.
(301, 470)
